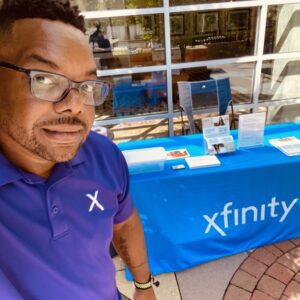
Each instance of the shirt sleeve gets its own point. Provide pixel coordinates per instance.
(125, 202)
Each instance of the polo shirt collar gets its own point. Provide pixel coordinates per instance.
(78, 158)
(8, 172)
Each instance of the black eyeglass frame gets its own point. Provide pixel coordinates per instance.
(72, 83)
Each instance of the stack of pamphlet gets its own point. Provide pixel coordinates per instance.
(203, 161)
(288, 145)
(216, 135)
(177, 153)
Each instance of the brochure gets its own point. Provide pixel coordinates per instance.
(217, 137)
(219, 145)
(251, 130)
(177, 153)
(215, 126)
(288, 145)
(203, 161)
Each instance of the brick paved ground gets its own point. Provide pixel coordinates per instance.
(268, 273)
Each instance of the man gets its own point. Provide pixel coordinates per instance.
(63, 191)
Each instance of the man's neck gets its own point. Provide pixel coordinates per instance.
(25, 159)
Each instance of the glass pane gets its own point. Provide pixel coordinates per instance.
(131, 131)
(280, 79)
(87, 5)
(283, 113)
(135, 94)
(240, 75)
(181, 124)
(125, 42)
(187, 2)
(205, 35)
(282, 29)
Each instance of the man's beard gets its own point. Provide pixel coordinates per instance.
(30, 141)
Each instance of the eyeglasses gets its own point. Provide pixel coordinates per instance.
(55, 87)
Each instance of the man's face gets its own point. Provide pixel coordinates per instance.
(49, 131)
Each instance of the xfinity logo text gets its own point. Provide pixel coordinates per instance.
(234, 217)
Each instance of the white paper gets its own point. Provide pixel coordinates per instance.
(185, 93)
(219, 144)
(215, 126)
(202, 161)
(251, 130)
(288, 145)
(216, 135)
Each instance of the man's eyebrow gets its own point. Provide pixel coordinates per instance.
(92, 72)
(53, 65)
(38, 58)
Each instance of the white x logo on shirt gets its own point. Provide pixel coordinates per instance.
(94, 201)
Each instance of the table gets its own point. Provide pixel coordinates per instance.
(194, 216)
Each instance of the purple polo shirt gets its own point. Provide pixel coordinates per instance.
(55, 234)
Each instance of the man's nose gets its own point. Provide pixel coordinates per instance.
(72, 102)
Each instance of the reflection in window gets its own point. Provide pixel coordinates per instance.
(86, 5)
(205, 35)
(280, 79)
(187, 2)
(135, 94)
(240, 75)
(283, 29)
(124, 42)
(283, 113)
(132, 131)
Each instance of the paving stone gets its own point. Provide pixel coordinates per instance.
(280, 273)
(235, 293)
(297, 277)
(253, 267)
(264, 256)
(293, 290)
(296, 241)
(285, 246)
(271, 286)
(244, 280)
(290, 261)
(208, 281)
(295, 252)
(274, 250)
(258, 295)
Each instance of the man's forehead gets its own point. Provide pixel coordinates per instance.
(53, 40)
(35, 32)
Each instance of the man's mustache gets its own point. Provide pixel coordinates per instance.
(64, 121)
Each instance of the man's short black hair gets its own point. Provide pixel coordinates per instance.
(56, 10)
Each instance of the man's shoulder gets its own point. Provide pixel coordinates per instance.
(99, 145)
(98, 142)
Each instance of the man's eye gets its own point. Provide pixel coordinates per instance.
(41, 79)
(88, 88)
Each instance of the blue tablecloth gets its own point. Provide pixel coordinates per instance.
(194, 216)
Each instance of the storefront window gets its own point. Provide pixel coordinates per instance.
(283, 113)
(282, 29)
(240, 75)
(88, 5)
(206, 35)
(187, 2)
(124, 42)
(280, 79)
(132, 131)
(135, 94)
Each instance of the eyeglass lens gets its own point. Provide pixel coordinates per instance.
(53, 87)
